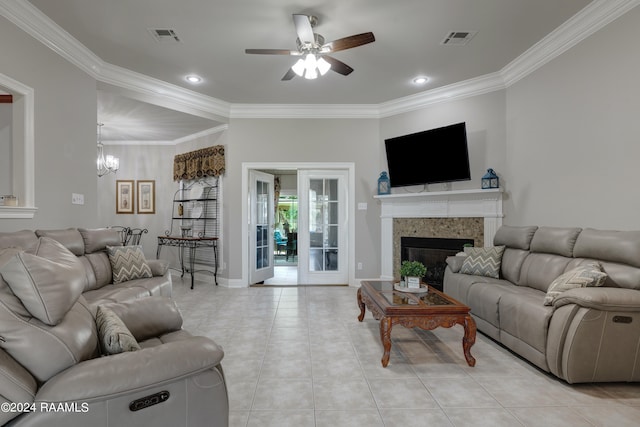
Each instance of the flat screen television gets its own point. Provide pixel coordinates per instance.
(429, 157)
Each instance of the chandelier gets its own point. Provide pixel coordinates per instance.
(106, 164)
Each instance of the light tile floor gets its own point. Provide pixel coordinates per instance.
(297, 356)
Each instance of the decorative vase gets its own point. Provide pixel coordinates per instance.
(413, 281)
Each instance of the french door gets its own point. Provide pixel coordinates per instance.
(261, 206)
(322, 227)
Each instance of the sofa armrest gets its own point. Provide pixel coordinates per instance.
(148, 317)
(17, 385)
(106, 377)
(159, 267)
(455, 263)
(601, 298)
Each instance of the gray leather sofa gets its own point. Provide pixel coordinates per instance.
(89, 246)
(589, 334)
(54, 370)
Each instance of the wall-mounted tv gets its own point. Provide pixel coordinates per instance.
(428, 157)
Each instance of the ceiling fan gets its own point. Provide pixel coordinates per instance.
(314, 51)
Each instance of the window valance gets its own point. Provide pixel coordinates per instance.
(199, 163)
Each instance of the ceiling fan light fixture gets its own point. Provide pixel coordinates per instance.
(311, 74)
(298, 67)
(323, 66)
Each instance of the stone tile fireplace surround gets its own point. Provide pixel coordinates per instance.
(472, 214)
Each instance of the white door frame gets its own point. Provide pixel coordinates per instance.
(246, 166)
(266, 272)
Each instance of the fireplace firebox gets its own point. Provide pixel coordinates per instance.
(432, 252)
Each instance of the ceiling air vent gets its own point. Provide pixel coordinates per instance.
(164, 35)
(458, 38)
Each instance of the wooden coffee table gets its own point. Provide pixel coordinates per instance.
(423, 310)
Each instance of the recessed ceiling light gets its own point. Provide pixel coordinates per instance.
(193, 79)
(420, 80)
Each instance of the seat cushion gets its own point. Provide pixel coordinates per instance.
(524, 316)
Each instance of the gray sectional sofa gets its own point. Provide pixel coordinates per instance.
(89, 245)
(65, 329)
(588, 334)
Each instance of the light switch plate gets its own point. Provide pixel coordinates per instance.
(362, 206)
(77, 199)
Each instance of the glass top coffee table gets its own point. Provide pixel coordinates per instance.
(425, 310)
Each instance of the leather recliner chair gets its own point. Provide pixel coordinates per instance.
(52, 369)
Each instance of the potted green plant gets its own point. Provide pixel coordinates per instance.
(413, 272)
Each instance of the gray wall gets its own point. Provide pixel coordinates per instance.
(486, 134)
(139, 162)
(572, 131)
(308, 140)
(65, 131)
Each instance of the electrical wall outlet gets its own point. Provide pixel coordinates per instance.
(77, 199)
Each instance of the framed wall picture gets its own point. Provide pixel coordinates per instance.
(146, 196)
(124, 196)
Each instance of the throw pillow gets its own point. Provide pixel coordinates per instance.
(590, 274)
(114, 335)
(48, 281)
(128, 263)
(483, 261)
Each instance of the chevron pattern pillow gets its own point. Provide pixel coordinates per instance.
(590, 274)
(114, 335)
(483, 261)
(128, 263)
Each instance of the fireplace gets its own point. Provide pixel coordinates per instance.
(432, 252)
(472, 204)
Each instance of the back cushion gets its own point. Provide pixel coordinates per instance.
(514, 237)
(539, 270)
(96, 240)
(44, 350)
(70, 239)
(555, 240)
(47, 282)
(102, 270)
(512, 260)
(517, 241)
(24, 239)
(616, 246)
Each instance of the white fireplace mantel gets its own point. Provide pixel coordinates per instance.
(485, 204)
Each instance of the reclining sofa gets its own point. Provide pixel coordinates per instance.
(587, 334)
(78, 350)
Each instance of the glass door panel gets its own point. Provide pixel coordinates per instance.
(260, 226)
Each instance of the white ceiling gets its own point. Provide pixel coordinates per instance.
(214, 34)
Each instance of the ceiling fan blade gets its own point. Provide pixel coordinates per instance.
(348, 42)
(303, 28)
(338, 66)
(272, 51)
(290, 74)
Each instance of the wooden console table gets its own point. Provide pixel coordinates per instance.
(192, 244)
(427, 311)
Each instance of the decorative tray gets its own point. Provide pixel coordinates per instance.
(420, 290)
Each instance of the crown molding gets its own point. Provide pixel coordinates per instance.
(305, 111)
(39, 26)
(460, 90)
(586, 22)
